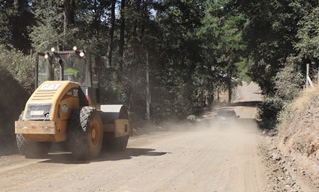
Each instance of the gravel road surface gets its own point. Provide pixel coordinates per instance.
(204, 156)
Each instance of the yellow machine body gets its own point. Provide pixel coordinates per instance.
(47, 112)
(53, 101)
(70, 110)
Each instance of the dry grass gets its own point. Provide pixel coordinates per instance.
(298, 136)
(305, 98)
(299, 128)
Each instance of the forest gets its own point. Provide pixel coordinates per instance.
(191, 49)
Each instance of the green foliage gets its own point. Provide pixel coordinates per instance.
(243, 68)
(281, 38)
(44, 35)
(222, 45)
(173, 54)
(270, 31)
(288, 84)
(16, 20)
(193, 48)
(20, 66)
(91, 26)
(289, 81)
(52, 28)
(269, 112)
(285, 116)
(112, 90)
(308, 35)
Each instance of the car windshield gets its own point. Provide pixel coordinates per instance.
(226, 113)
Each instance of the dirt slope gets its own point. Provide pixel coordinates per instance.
(295, 148)
(12, 101)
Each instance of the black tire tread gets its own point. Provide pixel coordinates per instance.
(78, 129)
(31, 149)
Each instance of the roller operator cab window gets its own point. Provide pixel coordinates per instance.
(75, 68)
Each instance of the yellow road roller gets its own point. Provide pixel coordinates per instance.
(65, 108)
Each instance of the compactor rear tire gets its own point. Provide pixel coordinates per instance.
(116, 143)
(85, 133)
(121, 142)
(32, 149)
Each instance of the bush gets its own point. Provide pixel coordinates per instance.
(269, 112)
(20, 66)
(289, 82)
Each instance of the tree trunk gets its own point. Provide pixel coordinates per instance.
(229, 86)
(122, 30)
(68, 15)
(68, 12)
(110, 45)
(138, 3)
(148, 116)
(211, 98)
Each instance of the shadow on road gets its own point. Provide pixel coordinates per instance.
(247, 103)
(128, 154)
(8, 148)
(66, 157)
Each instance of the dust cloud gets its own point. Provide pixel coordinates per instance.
(246, 123)
(12, 101)
(248, 97)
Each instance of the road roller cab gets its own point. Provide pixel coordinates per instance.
(65, 107)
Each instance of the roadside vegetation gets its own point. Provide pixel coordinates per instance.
(298, 129)
(192, 52)
(193, 49)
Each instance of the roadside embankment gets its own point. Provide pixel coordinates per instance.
(12, 101)
(295, 149)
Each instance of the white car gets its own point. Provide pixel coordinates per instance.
(225, 115)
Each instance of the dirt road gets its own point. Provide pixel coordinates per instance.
(201, 157)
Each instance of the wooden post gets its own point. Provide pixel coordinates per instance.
(309, 81)
(307, 74)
